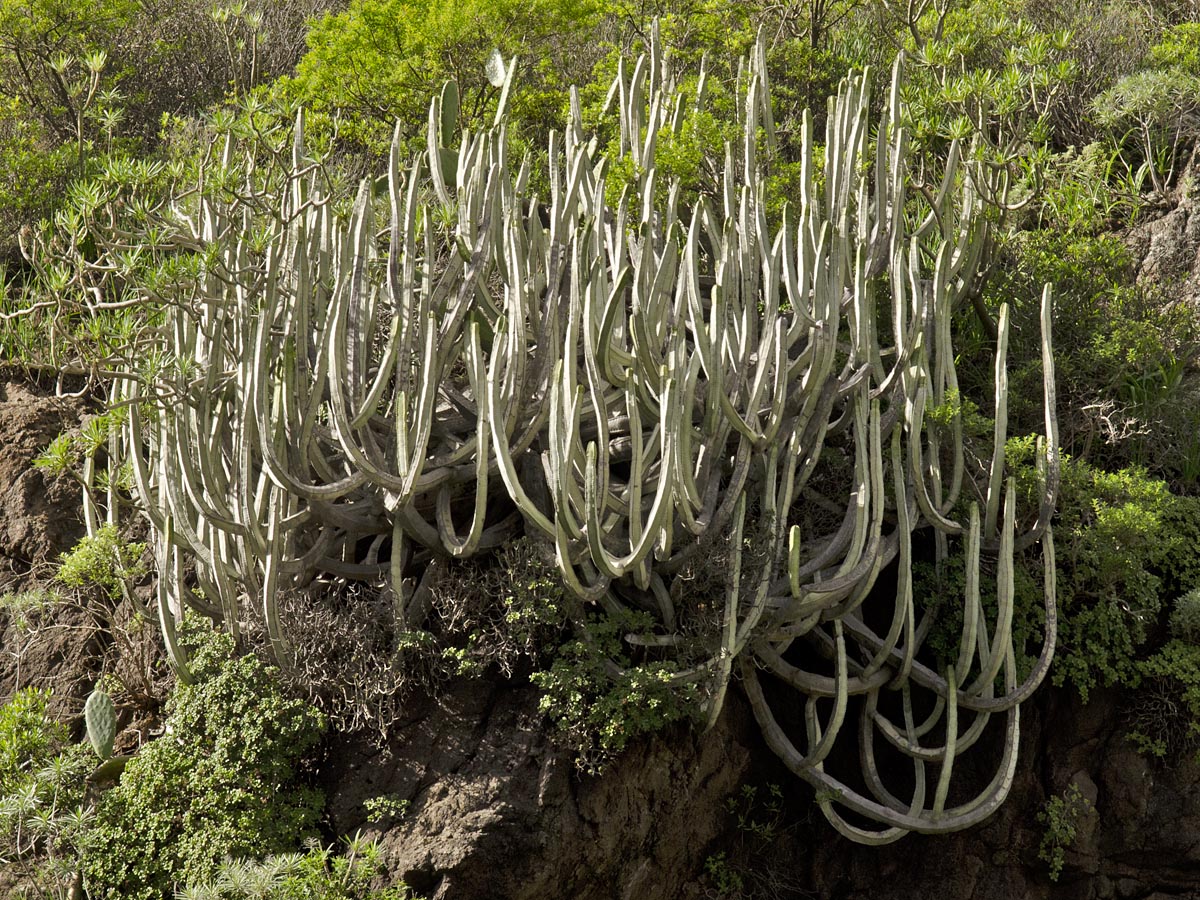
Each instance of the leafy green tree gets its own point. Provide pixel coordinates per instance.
(380, 61)
(54, 58)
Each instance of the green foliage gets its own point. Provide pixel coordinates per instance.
(726, 879)
(1158, 109)
(1185, 617)
(1155, 113)
(1165, 713)
(1164, 716)
(386, 808)
(381, 60)
(27, 736)
(1061, 817)
(104, 561)
(1089, 191)
(34, 170)
(534, 600)
(1107, 42)
(1123, 543)
(597, 713)
(747, 866)
(979, 71)
(319, 874)
(24, 606)
(223, 782)
(1120, 351)
(493, 613)
(64, 454)
(955, 406)
(54, 55)
(1178, 48)
(943, 589)
(757, 813)
(44, 812)
(48, 49)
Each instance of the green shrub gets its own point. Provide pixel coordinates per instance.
(380, 61)
(1124, 545)
(943, 592)
(103, 561)
(1120, 349)
(1152, 113)
(1061, 816)
(597, 714)
(492, 613)
(1163, 714)
(28, 738)
(1179, 48)
(1088, 192)
(44, 810)
(386, 808)
(1185, 617)
(223, 782)
(727, 881)
(24, 607)
(1118, 558)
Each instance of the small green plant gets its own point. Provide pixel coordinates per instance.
(24, 606)
(1148, 745)
(1165, 711)
(44, 809)
(27, 736)
(1185, 617)
(1158, 723)
(386, 808)
(476, 633)
(748, 866)
(596, 713)
(726, 880)
(757, 814)
(105, 561)
(318, 874)
(966, 410)
(1061, 816)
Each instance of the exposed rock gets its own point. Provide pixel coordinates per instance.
(1168, 247)
(41, 514)
(39, 518)
(499, 812)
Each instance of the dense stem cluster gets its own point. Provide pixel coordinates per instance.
(643, 389)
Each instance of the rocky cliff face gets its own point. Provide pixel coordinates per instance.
(1168, 246)
(39, 518)
(497, 813)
